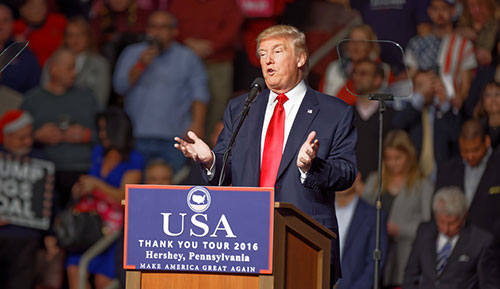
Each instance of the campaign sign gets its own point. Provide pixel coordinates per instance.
(199, 229)
(26, 186)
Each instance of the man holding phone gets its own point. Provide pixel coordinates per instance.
(165, 88)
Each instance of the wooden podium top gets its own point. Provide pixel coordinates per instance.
(305, 218)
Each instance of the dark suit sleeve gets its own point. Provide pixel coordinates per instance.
(406, 118)
(488, 267)
(413, 269)
(338, 171)
(365, 278)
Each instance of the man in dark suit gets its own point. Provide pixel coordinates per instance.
(430, 121)
(450, 252)
(476, 173)
(295, 139)
(357, 233)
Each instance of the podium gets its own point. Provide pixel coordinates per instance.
(301, 260)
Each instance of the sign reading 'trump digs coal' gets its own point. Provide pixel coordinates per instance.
(26, 186)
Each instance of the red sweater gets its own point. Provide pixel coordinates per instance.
(43, 40)
(218, 21)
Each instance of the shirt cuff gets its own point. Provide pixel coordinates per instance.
(303, 176)
(211, 171)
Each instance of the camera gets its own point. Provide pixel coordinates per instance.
(154, 42)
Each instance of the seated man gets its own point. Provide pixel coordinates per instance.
(357, 233)
(476, 173)
(18, 245)
(450, 252)
(64, 121)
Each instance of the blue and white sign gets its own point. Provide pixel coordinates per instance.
(199, 229)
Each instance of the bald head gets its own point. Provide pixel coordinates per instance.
(62, 68)
(473, 142)
(162, 26)
(472, 129)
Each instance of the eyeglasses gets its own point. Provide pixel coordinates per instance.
(491, 95)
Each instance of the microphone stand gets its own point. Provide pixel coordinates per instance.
(244, 114)
(377, 253)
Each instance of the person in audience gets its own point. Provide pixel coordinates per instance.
(213, 37)
(64, 117)
(92, 69)
(484, 75)
(114, 164)
(339, 73)
(357, 233)
(430, 121)
(411, 19)
(406, 198)
(9, 98)
(117, 24)
(18, 245)
(451, 252)
(368, 79)
(42, 29)
(165, 89)
(488, 112)
(158, 172)
(446, 50)
(23, 73)
(479, 23)
(476, 173)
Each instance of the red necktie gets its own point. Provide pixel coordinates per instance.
(273, 145)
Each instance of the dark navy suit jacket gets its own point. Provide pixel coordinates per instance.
(334, 167)
(357, 258)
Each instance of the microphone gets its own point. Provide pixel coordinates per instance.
(255, 88)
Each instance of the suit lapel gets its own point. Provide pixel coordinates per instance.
(457, 250)
(255, 120)
(298, 133)
(482, 187)
(430, 246)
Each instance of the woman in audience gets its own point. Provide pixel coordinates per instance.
(406, 197)
(484, 76)
(479, 23)
(488, 112)
(92, 69)
(114, 164)
(339, 72)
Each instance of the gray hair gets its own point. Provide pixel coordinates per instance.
(449, 201)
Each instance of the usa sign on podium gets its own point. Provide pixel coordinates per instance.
(220, 237)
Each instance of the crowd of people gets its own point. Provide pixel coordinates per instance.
(105, 86)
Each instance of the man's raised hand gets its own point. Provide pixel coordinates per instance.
(196, 149)
(308, 152)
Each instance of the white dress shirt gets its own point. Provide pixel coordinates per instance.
(442, 239)
(344, 218)
(291, 106)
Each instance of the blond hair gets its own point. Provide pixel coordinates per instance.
(297, 37)
(371, 36)
(399, 140)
